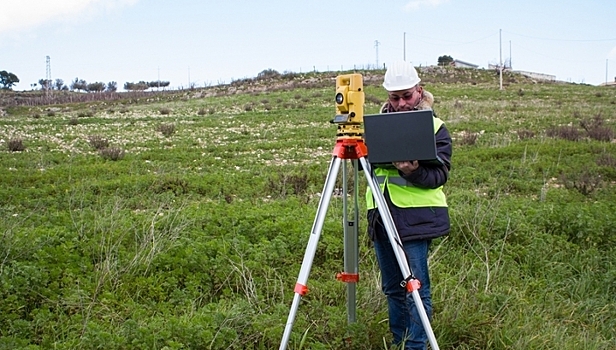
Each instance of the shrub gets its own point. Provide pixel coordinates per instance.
(525, 134)
(607, 160)
(565, 132)
(373, 99)
(165, 111)
(166, 129)
(16, 145)
(98, 142)
(112, 153)
(286, 184)
(585, 182)
(596, 129)
(468, 138)
(88, 114)
(73, 121)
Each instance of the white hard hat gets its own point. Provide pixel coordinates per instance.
(400, 75)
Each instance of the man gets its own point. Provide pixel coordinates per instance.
(418, 207)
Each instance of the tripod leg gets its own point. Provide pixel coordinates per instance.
(317, 227)
(394, 239)
(351, 245)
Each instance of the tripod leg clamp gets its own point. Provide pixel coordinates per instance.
(411, 284)
(347, 277)
(300, 289)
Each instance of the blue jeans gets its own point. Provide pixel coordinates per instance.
(404, 321)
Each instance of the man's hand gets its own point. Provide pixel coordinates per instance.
(407, 167)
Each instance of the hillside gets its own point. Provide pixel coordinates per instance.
(179, 219)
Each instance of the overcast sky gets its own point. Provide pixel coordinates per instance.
(209, 42)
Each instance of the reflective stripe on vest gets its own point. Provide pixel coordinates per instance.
(401, 192)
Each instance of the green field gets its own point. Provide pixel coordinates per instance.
(179, 220)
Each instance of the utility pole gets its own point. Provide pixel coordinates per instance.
(500, 65)
(404, 48)
(376, 45)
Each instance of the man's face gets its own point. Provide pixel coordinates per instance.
(405, 100)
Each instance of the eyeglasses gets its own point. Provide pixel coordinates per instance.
(407, 95)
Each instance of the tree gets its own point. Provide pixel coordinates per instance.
(45, 84)
(140, 86)
(112, 86)
(158, 84)
(78, 84)
(95, 87)
(7, 80)
(59, 85)
(445, 60)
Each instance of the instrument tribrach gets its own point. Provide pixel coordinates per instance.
(350, 146)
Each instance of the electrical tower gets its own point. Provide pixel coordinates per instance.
(48, 76)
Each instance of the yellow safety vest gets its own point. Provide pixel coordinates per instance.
(402, 193)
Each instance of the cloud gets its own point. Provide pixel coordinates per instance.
(20, 15)
(416, 4)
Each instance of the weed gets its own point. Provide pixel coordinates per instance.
(73, 121)
(164, 111)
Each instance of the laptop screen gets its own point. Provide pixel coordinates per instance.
(400, 136)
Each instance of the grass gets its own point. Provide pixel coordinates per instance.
(194, 238)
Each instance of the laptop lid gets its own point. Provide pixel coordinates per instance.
(400, 136)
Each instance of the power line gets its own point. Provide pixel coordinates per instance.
(552, 39)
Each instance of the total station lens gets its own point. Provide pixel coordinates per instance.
(339, 98)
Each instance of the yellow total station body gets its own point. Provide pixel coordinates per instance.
(349, 106)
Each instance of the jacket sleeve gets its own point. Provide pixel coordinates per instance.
(434, 174)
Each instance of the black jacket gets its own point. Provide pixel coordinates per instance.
(420, 223)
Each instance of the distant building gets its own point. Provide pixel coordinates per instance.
(462, 64)
(538, 76)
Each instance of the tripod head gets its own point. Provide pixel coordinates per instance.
(349, 106)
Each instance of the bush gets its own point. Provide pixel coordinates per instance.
(565, 132)
(112, 153)
(165, 111)
(166, 129)
(98, 142)
(16, 145)
(468, 138)
(596, 129)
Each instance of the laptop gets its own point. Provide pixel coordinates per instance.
(400, 136)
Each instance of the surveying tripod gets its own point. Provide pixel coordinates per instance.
(350, 146)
